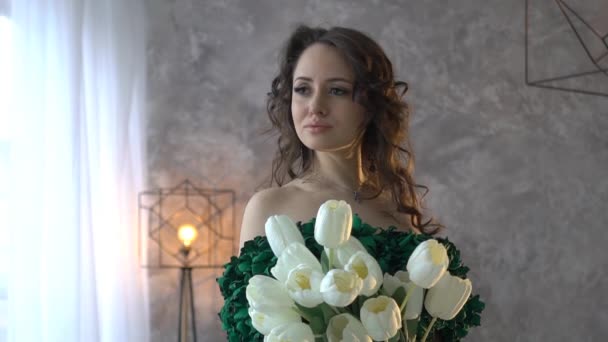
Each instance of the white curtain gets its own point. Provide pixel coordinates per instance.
(76, 165)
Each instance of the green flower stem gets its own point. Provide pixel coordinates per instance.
(428, 329)
(334, 309)
(299, 312)
(410, 290)
(330, 259)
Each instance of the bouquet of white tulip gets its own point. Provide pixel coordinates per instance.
(344, 295)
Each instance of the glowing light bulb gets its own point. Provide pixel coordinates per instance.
(187, 234)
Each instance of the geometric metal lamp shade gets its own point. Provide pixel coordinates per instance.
(163, 211)
(579, 61)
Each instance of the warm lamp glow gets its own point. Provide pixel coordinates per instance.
(186, 234)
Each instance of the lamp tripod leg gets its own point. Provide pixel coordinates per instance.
(186, 325)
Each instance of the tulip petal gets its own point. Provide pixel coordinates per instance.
(333, 223)
(345, 327)
(292, 256)
(368, 269)
(265, 321)
(381, 317)
(280, 232)
(343, 252)
(297, 331)
(303, 285)
(340, 288)
(446, 299)
(266, 293)
(413, 308)
(401, 279)
(428, 263)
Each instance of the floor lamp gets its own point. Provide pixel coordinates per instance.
(186, 227)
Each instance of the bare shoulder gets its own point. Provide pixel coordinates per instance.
(401, 219)
(261, 205)
(404, 222)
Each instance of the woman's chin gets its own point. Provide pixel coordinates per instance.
(328, 147)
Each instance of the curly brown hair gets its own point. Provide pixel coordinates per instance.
(388, 160)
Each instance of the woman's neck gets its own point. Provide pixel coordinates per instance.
(338, 171)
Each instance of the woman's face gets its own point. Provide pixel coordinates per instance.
(324, 114)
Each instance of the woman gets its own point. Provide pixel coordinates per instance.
(343, 134)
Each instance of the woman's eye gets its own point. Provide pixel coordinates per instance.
(300, 90)
(303, 90)
(338, 91)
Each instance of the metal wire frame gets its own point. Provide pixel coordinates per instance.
(604, 39)
(186, 190)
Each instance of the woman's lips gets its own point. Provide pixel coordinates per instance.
(317, 128)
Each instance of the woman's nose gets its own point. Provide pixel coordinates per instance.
(317, 105)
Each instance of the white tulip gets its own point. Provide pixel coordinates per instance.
(265, 321)
(447, 297)
(381, 317)
(345, 251)
(346, 328)
(292, 256)
(304, 286)
(299, 331)
(340, 288)
(413, 307)
(266, 293)
(367, 268)
(280, 232)
(393, 282)
(428, 263)
(333, 223)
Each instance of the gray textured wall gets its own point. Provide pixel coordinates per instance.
(518, 174)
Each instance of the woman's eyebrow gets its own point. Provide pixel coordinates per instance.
(332, 79)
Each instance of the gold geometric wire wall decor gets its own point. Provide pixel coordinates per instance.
(163, 211)
(582, 67)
